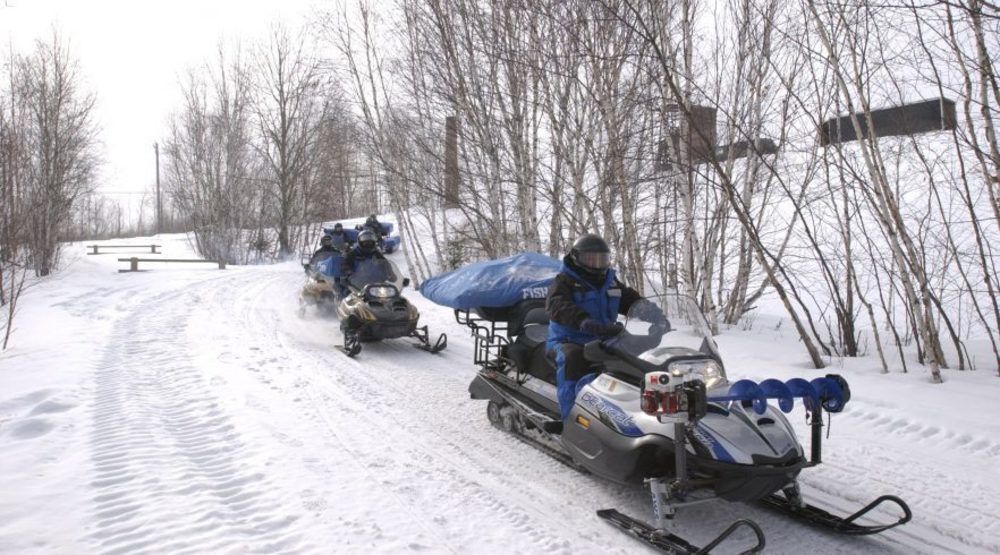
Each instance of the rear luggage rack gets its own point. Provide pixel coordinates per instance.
(490, 340)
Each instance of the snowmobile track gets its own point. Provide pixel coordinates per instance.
(170, 470)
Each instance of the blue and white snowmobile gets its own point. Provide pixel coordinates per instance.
(658, 410)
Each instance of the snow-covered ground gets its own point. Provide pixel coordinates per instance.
(187, 409)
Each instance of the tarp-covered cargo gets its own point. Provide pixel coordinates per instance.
(493, 283)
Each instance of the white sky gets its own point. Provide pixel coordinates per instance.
(131, 54)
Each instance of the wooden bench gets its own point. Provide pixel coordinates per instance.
(134, 262)
(152, 248)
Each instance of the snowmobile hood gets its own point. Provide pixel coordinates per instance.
(726, 434)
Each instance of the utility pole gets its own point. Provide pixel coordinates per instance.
(451, 182)
(159, 207)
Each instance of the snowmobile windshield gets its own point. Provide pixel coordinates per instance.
(672, 330)
(373, 270)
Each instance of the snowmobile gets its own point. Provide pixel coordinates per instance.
(374, 309)
(659, 410)
(321, 288)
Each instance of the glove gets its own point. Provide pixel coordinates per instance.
(648, 312)
(594, 327)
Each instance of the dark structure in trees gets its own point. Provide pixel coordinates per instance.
(909, 119)
(701, 137)
(451, 162)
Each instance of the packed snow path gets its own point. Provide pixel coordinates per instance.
(196, 411)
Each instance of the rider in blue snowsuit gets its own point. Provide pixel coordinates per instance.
(583, 304)
(367, 249)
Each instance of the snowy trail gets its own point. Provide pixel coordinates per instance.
(413, 457)
(216, 419)
(171, 473)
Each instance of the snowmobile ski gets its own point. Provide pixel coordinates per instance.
(671, 543)
(352, 344)
(815, 516)
(423, 340)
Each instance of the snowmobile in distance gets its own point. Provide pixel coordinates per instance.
(321, 288)
(374, 309)
(387, 242)
(660, 411)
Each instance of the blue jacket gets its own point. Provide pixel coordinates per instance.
(600, 303)
(354, 257)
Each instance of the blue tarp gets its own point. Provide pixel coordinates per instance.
(386, 244)
(390, 244)
(493, 283)
(350, 234)
(329, 265)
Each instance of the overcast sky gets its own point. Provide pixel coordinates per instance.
(131, 54)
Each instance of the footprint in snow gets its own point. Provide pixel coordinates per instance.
(50, 407)
(29, 428)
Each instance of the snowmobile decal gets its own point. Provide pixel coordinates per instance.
(534, 292)
(706, 438)
(611, 414)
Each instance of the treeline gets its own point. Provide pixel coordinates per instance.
(263, 144)
(48, 162)
(593, 115)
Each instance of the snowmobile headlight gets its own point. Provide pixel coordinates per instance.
(382, 291)
(709, 371)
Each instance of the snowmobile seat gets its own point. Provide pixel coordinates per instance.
(532, 318)
(528, 353)
(535, 334)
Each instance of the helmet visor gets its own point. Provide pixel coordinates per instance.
(594, 260)
(367, 244)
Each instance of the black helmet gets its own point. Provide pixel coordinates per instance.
(338, 226)
(326, 240)
(591, 254)
(367, 241)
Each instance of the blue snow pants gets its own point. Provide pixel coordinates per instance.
(572, 373)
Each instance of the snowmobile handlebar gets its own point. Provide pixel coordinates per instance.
(627, 343)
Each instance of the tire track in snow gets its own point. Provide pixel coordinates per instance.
(171, 472)
(347, 480)
(951, 513)
(928, 435)
(461, 506)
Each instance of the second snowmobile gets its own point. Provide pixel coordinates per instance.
(321, 289)
(659, 410)
(375, 309)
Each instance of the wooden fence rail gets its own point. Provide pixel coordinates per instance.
(152, 248)
(134, 262)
